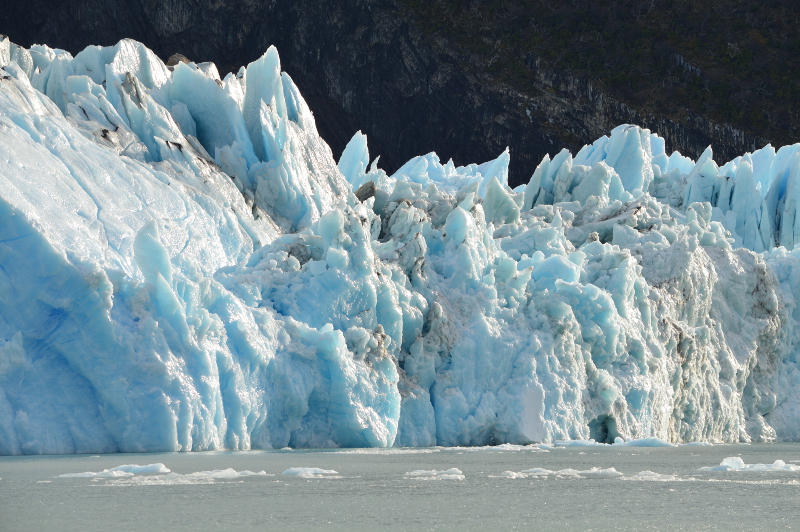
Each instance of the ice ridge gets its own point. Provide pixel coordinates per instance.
(184, 266)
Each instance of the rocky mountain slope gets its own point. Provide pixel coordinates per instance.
(467, 79)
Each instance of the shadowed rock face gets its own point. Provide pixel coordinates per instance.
(364, 64)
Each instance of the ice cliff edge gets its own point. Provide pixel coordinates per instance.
(184, 266)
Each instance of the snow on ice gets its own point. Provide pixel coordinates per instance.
(184, 266)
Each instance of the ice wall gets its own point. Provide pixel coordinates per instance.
(115, 220)
(185, 267)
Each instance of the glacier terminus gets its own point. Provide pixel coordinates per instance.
(185, 266)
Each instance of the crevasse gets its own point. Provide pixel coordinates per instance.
(184, 266)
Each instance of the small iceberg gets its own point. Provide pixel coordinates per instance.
(735, 463)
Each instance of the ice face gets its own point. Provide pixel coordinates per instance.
(186, 267)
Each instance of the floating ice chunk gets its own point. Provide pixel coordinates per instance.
(537, 471)
(422, 474)
(310, 472)
(221, 474)
(697, 444)
(533, 472)
(594, 472)
(651, 476)
(151, 469)
(402, 450)
(643, 442)
(577, 443)
(511, 447)
(99, 474)
(535, 448)
(262, 473)
(735, 463)
(225, 474)
(199, 477)
(597, 472)
(122, 471)
(512, 474)
(730, 463)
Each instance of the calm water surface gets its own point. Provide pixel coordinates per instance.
(372, 492)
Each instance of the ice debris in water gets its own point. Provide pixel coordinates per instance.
(404, 450)
(127, 470)
(422, 474)
(510, 447)
(199, 477)
(651, 476)
(594, 472)
(186, 267)
(225, 474)
(735, 463)
(643, 442)
(577, 443)
(310, 472)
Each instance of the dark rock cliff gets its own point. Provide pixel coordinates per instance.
(371, 65)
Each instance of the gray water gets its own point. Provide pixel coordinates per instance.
(371, 491)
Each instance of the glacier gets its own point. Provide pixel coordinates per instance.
(185, 266)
